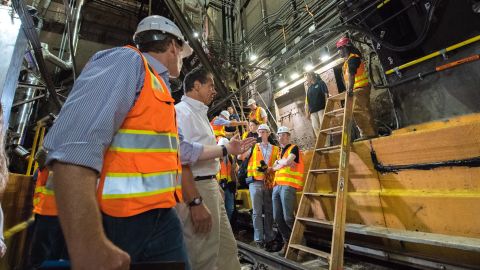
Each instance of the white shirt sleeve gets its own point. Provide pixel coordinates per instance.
(263, 113)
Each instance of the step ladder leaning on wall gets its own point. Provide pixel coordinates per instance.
(320, 175)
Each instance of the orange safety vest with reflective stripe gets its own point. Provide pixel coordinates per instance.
(256, 115)
(225, 170)
(141, 169)
(255, 159)
(44, 198)
(291, 175)
(361, 76)
(218, 130)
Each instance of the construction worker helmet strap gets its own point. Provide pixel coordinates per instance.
(344, 41)
(159, 23)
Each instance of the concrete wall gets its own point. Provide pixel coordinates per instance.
(441, 95)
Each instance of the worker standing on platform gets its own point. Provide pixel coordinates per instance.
(256, 112)
(317, 93)
(260, 181)
(355, 77)
(289, 169)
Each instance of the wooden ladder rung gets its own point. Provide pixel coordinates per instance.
(311, 251)
(324, 170)
(332, 129)
(335, 113)
(340, 96)
(328, 148)
(320, 194)
(315, 220)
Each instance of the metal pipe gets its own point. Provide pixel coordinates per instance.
(24, 112)
(434, 54)
(185, 26)
(36, 97)
(76, 25)
(47, 55)
(68, 23)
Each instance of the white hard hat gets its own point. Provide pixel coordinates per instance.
(264, 127)
(222, 141)
(160, 23)
(225, 114)
(283, 129)
(250, 102)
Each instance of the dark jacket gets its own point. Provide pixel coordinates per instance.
(316, 95)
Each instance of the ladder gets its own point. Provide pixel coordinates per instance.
(328, 173)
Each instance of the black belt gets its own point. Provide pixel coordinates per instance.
(207, 177)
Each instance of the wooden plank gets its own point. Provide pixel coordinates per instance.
(455, 142)
(315, 220)
(328, 148)
(338, 238)
(323, 171)
(443, 212)
(305, 207)
(448, 241)
(320, 194)
(312, 251)
(459, 120)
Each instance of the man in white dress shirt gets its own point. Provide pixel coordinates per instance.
(209, 246)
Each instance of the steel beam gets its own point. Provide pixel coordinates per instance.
(185, 25)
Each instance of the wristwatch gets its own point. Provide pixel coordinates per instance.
(224, 150)
(196, 201)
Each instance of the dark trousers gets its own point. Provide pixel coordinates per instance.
(152, 236)
(47, 241)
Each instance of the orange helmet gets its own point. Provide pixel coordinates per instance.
(342, 42)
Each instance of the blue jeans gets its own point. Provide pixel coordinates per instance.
(155, 235)
(262, 203)
(229, 203)
(47, 241)
(283, 198)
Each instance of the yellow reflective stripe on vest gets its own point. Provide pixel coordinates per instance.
(156, 85)
(288, 179)
(127, 185)
(44, 190)
(135, 141)
(48, 188)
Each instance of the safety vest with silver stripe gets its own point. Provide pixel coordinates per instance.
(142, 169)
(361, 76)
(291, 175)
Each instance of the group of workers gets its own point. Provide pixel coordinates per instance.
(273, 174)
(134, 178)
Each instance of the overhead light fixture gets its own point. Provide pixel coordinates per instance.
(294, 75)
(253, 57)
(195, 34)
(282, 83)
(308, 66)
(324, 54)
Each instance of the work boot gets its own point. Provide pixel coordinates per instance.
(260, 245)
(283, 251)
